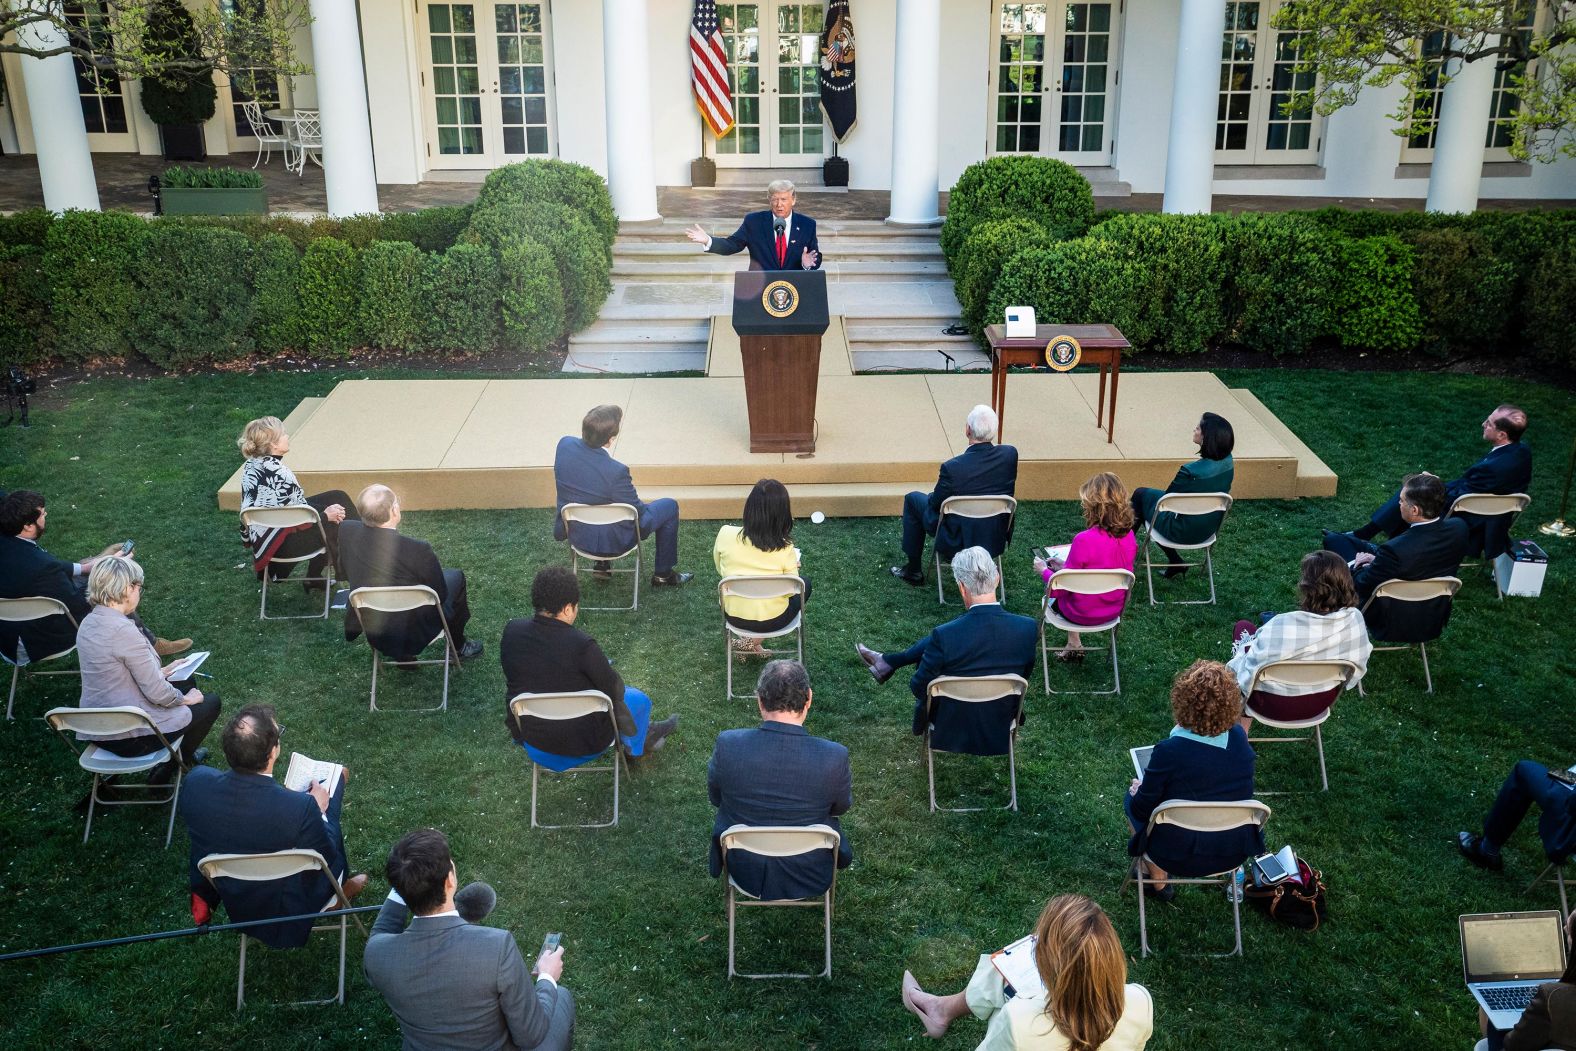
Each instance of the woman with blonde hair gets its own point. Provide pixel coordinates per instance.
(1107, 543)
(267, 482)
(1085, 1003)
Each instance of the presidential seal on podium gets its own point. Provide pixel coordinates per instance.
(1063, 353)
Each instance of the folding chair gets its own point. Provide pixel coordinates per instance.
(779, 841)
(561, 707)
(404, 599)
(604, 515)
(21, 611)
(1309, 677)
(101, 762)
(1490, 505)
(267, 138)
(1084, 582)
(289, 517)
(1426, 590)
(1198, 817)
(758, 586)
(975, 689)
(975, 507)
(1558, 868)
(1185, 504)
(283, 864)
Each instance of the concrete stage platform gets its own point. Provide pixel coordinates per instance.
(489, 443)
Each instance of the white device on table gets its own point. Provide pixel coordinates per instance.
(1506, 956)
(1020, 322)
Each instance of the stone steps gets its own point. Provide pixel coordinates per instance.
(724, 267)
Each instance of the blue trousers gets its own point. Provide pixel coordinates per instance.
(1529, 783)
(919, 521)
(662, 517)
(639, 707)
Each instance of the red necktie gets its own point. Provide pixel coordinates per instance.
(782, 251)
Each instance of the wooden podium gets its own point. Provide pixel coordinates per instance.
(780, 316)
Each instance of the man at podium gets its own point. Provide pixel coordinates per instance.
(777, 239)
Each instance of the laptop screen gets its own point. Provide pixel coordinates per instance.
(1509, 946)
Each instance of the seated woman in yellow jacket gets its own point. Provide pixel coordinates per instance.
(763, 544)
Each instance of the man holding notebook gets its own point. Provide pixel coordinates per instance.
(245, 811)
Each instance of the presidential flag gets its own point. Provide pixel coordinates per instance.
(837, 68)
(709, 69)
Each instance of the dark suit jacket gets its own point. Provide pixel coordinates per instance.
(229, 812)
(1200, 476)
(27, 570)
(986, 640)
(372, 557)
(584, 475)
(1181, 768)
(1548, 1022)
(758, 235)
(779, 775)
(1431, 550)
(544, 655)
(454, 984)
(1505, 470)
(982, 469)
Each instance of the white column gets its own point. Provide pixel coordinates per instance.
(65, 164)
(916, 114)
(626, 75)
(348, 173)
(1457, 172)
(1195, 95)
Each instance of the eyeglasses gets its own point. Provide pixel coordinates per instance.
(140, 586)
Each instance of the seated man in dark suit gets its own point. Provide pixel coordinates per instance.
(245, 811)
(777, 774)
(1431, 546)
(27, 570)
(778, 239)
(375, 554)
(983, 469)
(586, 473)
(986, 640)
(452, 984)
(546, 653)
(1527, 784)
(1506, 469)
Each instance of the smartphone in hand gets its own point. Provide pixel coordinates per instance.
(127, 548)
(551, 942)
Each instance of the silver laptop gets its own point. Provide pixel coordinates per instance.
(1506, 956)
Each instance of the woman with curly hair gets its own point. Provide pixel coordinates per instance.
(1107, 543)
(1206, 758)
(1327, 625)
(1085, 1003)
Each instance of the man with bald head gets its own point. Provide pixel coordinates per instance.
(373, 553)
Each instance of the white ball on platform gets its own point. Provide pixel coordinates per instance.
(817, 517)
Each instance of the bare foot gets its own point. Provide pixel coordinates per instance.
(923, 1004)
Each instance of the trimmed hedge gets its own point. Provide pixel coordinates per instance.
(1048, 192)
(26, 332)
(390, 311)
(1179, 307)
(459, 300)
(1551, 317)
(328, 286)
(574, 185)
(1462, 288)
(89, 259)
(194, 295)
(985, 251)
(1268, 254)
(580, 260)
(532, 298)
(25, 228)
(276, 311)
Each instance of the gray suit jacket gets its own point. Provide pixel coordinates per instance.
(454, 985)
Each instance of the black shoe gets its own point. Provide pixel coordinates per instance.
(671, 579)
(1068, 656)
(471, 648)
(913, 577)
(602, 569)
(475, 901)
(656, 734)
(164, 773)
(310, 586)
(1166, 893)
(1472, 848)
(199, 758)
(880, 670)
(1175, 571)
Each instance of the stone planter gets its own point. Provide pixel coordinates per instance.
(229, 201)
(703, 172)
(183, 142)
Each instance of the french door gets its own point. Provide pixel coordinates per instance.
(774, 54)
(1257, 77)
(100, 89)
(487, 83)
(1053, 79)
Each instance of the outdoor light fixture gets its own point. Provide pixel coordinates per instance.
(1558, 526)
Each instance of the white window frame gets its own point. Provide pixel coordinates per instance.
(1261, 90)
(1052, 75)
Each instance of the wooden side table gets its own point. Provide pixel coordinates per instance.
(1102, 345)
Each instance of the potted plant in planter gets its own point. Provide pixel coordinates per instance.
(212, 191)
(182, 98)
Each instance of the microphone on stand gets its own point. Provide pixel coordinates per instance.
(779, 226)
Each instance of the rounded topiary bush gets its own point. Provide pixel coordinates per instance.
(391, 295)
(194, 295)
(276, 306)
(459, 300)
(1043, 190)
(1080, 282)
(1184, 256)
(985, 251)
(1280, 281)
(89, 259)
(583, 268)
(553, 182)
(329, 289)
(1462, 288)
(532, 298)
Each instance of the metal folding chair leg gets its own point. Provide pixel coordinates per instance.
(1558, 880)
(825, 902)
(16, 670)
(328, 598)
(1428, 676)
(1136, 874)
(1012, 778)
(616, 764)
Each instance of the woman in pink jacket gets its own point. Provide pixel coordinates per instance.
(1108, 543)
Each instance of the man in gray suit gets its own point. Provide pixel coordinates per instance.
(452, 985)
(779, 775)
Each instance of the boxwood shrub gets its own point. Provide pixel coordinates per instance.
(1551, 302)
(554, 182)
(390, 307)
(459, 300)
(194, 295)
(988, 248)
(533, 299)
(89, 258)
(26, 328)
(276, 305)
(328, 288)
(1045, 191)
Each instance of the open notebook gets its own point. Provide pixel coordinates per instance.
(303, 771)
(1016, 965)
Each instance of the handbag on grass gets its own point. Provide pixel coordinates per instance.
(1298, 901)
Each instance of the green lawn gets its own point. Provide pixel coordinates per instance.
(644, 926)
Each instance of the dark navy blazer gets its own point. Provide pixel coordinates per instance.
(27, 570)
(758, 236)
(373, 557)
(982, 469)
(230, 812)
(1182, 768)
(585, 475)
(778, 774)
(986, 640)
(1505, 470)
(1434, 549)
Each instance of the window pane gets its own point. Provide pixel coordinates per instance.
(114, 114)
(510, 81)
(465, 50)
(438, 18)
(513, 110)
(509, 50)
(749, 140)
(470, 81)
(536, 111)
(471, 139)
(810, 111)
(535, 80)
(1093, 137)
(448, 140)
(505, 19)
(813, 140)
(464, 18)
(443, 81)
(448, 111)
(787, 111)
(788, 140)
(536, 141)
(1029, 140)
(470, 111)
(514, 140)
(442, 49)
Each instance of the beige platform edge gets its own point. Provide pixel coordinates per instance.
(489, 443)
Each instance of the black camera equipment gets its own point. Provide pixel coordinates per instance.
(18, 385)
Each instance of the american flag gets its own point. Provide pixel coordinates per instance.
(709, 69)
